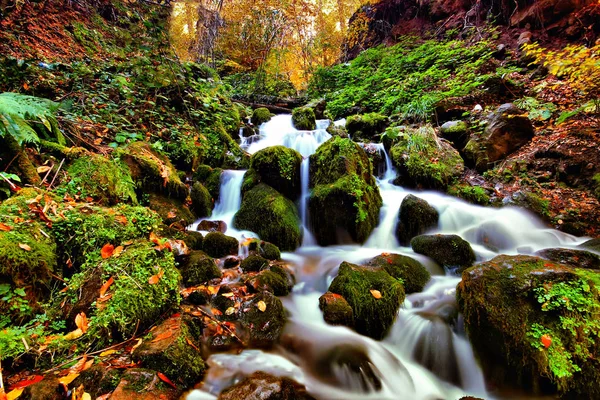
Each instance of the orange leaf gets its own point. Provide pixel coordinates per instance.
(25, 383)
(171, 215)
(4, 227)
(162, 336)
(107, 250)
(118, 250)
(82, 322)
(106, 285)
(154, 279)
(262, 306)
(375, 293)
(154, 239)
(166, 380)
(24, 247)
(546, 340)
(121, 219)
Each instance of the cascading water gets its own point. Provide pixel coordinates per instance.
(426, 354)
(308, 239)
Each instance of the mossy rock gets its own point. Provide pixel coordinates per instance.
(272, 216)
(260, 116)
(534, 323)
(424, 160)
(192, 239)
(415, 217)
(472, 194)
(174, 355)
(202, 200)
(269, 386)
(457, 132)
(336, 310)
(335, 130)
(571, 257)
(366, 126)
(263, 328)
(172, 211)
(274, 279)
(269, 251)
(144, 384)
(152, 171)
(211, 179)
(198, 268)
(303, 119)
(592, 244)
(219, 150)
(278, 167)
(414, 275)
(219, 245)
(99, 380)
(254, 264)
(374, 312)
(106, 180)
(345, 200)
(446, 250)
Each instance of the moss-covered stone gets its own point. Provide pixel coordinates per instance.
(414, 275)
(366, 126)
(274, 279)
(269, 251)
(211, 179)
(415, 217)
(219, 245)
(303, 119)
(336, 310)
(219, 150)
(106, 180)
(202, 200)
(571, 257)
(345, 200)
(278, 167)
(260, 116)
(254, 264)
(537, 320)
(472, 194)
(424, 160)
(446, 250)
(192, 239)
(152, 171)
(374, 312)
(592, 244)
(263, 327)
(172, 211)
(271, 215)
(144, 384)
(98, 380)
(198, 268)
(456, 132)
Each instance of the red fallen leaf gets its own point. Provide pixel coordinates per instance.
(25, 383)
(546, 340)
(166, 380)
(121, 219)
(107, 250)
(4, 227)
(162, 336)
(106, 285)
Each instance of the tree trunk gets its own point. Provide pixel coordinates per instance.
(21, 163)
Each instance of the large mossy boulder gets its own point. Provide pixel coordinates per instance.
(414, 275)
(508, 128)
(263, 319)
(105, 180)
(278, 167)
(415, 217)
(457, 132)
(303, 119)
(534, 322)
(210, 178)
(198, 268)
(171, 210)
(373, 295)
(424, 160)
(152, 171)
(218, 245)
(272, 216)
(260, 116)
(202, 200)
(446, 250)
(366, 126)
(345, 200)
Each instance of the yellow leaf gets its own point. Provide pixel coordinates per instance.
(375, 293)
(13, 394)
(138, 344)
(230, 311)
(77, 333)
(68, 379)
(43, 168)
(82, 322)
(262, 306)
(24, 247)
(229, 294)
(108, 352)
(86, 396)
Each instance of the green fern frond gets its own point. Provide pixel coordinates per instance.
(19, 113)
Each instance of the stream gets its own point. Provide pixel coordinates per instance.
(426, 354)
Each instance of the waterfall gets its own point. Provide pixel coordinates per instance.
(308, 239)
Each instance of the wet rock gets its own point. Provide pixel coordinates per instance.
(98, 380)
(260, 116)
(318, 106)
(143, 384)
(231, 262)
(212, 226)
(446, 250)
(366, 126)
(508, 128)
(335, 130)
(415, 218)
(571, 257)
(198, 268)
(271, 215)
(47, 389)
(592, 244)
(278, 167)
(414, 275)
(456, 132)
(172, 211)
(303, 119)
(210, 178)
(274, 279)
(269, 251)
(263, 318)
(531, 322)
(192, 239)
(373, 295)
(219, 245)
(202, 203)
(336, 310)
(254, 264)
(263, 386)
(173, 351)
(345, 201)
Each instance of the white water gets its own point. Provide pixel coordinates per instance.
(426, 354)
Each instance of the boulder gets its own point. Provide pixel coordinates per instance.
(263, 318)
(373, 295)
(345, 201)
(336, 310)
(508, 128)
(457, 132)
(424, 160)
(414, 275)
(260, 116)
(172, 211)
(415, 217)
(272, 216)
(143, 384)
(592, 244)
(572, 257)
(263, 386)
(212, 226)
(446, 250)
(533, 323)
(278, 167)
(318, 106)
(211, 179)
(219, 245)
(366, 126)
(254, 264)
(197, 268)
(303, 119)
(202, 200)
(274, 279)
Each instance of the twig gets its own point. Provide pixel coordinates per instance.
(12, 186)
(55, 175)
(222, 326)
(46, 176)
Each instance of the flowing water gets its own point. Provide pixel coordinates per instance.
(426, 354)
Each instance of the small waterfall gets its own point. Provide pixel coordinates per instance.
(230, 194)
(308, 239)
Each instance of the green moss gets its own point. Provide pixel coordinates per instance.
(260, 116)
(219, 245)
(254, 264)
(211, 179)
(425, 160)
(412, 273)
(278, 167)
(263, 327)
(472, 194)
(366, 126)
(269, 251)
(372, 316)
(596, 185)
(202, 203)
(198, 268)
(446, 250)
(274, 280)
(336, 310)
(303, 119)
(172, 211)
(272, 216)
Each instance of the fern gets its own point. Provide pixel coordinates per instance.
(20, 113)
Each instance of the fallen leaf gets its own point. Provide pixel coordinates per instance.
(24, 247)
(108, 352)
(86, 396)
(154, 239)
(121, 219)
(77, 368)
(166, 380)
(98, 141)
(107, 250)
(4, 227)
(69, 378)
(27, 382)
(13, 394)
(229, 294)
(154, 279)
(171, 215)
(88, 365)
(262, 306)
(546, 340)
(138, 344)
(213, 289)
(216, 311)
(77, 333)
(106, 285)
(43, 168)
(375, 293)
(230, 311)
(82, 322)
(162, 336)
(118, 250)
